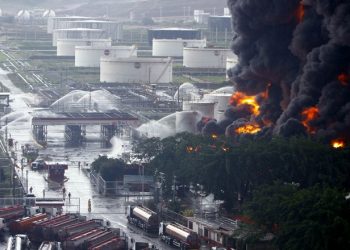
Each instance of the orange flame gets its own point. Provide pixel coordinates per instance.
(343, 79)
(250, 128)
(189, 149)
(239, 98)
(338, 143)
(309, 114)
(300, 13)
(214, 136)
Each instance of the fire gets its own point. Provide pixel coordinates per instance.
(309, 114)
(239, 98)
(338, 143)
(300, 13)
(189, 149)
(343, 79)
(250, 128)
(214, 136)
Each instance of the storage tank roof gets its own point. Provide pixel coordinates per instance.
(136, 59)
(93, 21)
(79, 29)
(175, 29)
(84, 39)
(71, 17)
(207, 49)
(98, 47)
(178, 39)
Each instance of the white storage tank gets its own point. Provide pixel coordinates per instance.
(49, 13)
(0, 12)
(55, 22)
(221, 100)
(66, 47)
(205, 108)
(23, 16)
(89, 56)
(78, 33)
(112, 28)
(230, 63)
(186, 121)
(136, 70)
(174, 47)
(206, 57)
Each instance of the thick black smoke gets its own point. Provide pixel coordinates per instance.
(301, 50)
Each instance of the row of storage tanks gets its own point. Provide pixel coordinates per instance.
(90, 42)
(194, 52)
(212, 105)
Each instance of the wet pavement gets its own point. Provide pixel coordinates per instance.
(78, 184)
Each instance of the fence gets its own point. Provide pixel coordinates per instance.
(71, 205)
(115, 188)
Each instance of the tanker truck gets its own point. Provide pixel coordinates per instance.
(179, 236)
(143, 218)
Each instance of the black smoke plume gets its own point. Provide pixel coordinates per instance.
(300, 50)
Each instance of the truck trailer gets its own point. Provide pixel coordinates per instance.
(143, 218)
(178, 236)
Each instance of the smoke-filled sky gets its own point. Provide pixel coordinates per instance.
(299, 51)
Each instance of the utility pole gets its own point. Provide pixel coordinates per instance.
(174, 188)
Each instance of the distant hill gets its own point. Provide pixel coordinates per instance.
(117, 8)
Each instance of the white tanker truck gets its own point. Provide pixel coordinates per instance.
(179, 236)
(143, 218)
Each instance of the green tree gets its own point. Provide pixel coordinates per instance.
(312, 218)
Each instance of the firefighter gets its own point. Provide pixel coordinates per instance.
(64, 193)
(30, 189)
(89, 206)
(69, 195)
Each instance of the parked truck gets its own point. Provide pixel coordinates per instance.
(179, 236)
(143, 218)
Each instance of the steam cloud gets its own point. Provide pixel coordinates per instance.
(300, 51)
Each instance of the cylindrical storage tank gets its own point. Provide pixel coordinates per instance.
(136, 70)
(23, 16)
(174, 47)
(112, 28)
(55, 22)
(204, 108)
(186, 121)
(89, 56)
(221, 101)
(230, 63)
(78, 33)
(177, 232)
(146, 216)
(66, 47)
(49, 13)
(206, 57)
